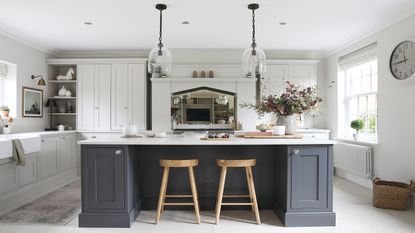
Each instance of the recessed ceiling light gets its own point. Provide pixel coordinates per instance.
(185, 22)
(89, 23)
(283, 23)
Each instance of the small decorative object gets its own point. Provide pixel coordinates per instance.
(203, 74)
(69, 107)
(151, 134)
(61, 127)
(293, 101)
(5, 123)
(159, 59)
(130, 130)
(278, 130)
(357, 125)
(7, 129)
(32, 104)
(210, 74)
(391, 194)
(194, 74)
(62, 91)
(68, 75)
(222, 100)
(69, 127)
(402, 60)
(262, 127)
(62, 109)
(68, 93)
(221, 121)
(5, 111)
(161, 134)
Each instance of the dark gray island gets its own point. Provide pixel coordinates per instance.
(121, 177)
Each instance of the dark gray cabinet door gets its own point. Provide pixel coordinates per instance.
(105, 178)
(309, 177)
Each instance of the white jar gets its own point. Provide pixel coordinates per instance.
(130, 130)
(278, 130)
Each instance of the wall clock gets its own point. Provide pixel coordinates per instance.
(402, 61)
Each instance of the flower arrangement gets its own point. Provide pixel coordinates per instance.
(294, 100)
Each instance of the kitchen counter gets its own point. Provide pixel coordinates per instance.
(194, 139)
(121, 176)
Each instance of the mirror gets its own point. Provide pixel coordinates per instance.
(203, 108)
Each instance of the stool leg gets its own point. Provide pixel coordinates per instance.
(220, 193)
(162, 192)
(165, 191)
(194, 193)
(249, 188)
(251, 183)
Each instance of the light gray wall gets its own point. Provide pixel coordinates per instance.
(29, 61)
(394, 156)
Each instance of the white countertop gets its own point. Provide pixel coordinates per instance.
(40, 133)
(194, 139)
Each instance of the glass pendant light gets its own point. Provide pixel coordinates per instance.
(253, 58)
(159, 60)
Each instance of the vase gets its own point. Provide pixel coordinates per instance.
(289, 122)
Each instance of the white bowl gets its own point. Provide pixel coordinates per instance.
(161, 134)
(151, 134)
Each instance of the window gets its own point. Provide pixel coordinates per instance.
(360, 92)
(3, 75)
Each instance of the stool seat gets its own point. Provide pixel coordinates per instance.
(236, 163)
(244, 163)
(167, 164)
(179, 163)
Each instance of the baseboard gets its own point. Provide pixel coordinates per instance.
(28, 193)
(365, 182)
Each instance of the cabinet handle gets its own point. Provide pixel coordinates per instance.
(93, 137)
(96, 107)
(117, 152)
(63, 137)
(42, 140)
(296, 152)
(125, 107)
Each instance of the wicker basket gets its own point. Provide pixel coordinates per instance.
(391, 195)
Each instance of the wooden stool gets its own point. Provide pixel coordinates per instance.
(167, 164)
(247, 164)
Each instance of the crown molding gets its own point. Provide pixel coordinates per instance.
(362, 35)
(16, 36)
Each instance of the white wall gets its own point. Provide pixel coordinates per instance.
(28, 61)
(394, 156)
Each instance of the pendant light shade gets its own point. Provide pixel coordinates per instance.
(160, 59)
(253, 58)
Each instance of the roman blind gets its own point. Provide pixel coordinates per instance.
(3, 70)
(359, 56)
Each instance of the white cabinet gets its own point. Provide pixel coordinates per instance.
(128, 99)
(298, 72)
(29, 172)
(48, 157)
(9, 177)
(67, 152)
(94, 87)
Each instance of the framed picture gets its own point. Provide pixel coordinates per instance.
(32, 102)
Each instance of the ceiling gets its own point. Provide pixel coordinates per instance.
(318, 25)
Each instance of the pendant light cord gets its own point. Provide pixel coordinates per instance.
(160, 33)
(253, 29)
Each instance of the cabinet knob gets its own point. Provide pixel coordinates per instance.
(96, 107)
(93, 137)
(118, 152)
(63, 137)
(125, 107)
(42, 140)
(296, 151)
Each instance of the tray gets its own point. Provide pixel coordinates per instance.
(214, 139)
(268, 135)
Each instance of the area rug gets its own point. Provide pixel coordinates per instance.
(57, 208)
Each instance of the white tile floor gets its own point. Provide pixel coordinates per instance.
(352, 205)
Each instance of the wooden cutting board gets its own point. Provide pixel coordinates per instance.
(268, 135)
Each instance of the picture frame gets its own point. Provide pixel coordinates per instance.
(32, 102)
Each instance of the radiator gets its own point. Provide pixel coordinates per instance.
(354, 159)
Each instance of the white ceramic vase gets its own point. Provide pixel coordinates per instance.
(289, 122)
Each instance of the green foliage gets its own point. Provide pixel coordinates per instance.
(4, 108)
(357, 124)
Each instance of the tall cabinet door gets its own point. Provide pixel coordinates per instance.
(128, 96)
(102, 97)
(120, 102)
(86, 97)
(137, 77)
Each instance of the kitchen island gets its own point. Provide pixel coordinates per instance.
(121, 176)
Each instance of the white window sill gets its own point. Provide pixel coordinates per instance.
(358, 142)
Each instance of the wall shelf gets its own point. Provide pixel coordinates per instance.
(62, 98)
(62, 81)
(63, 114)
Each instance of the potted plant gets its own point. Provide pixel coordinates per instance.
(5, 110)
(294, 100)
(357, 125)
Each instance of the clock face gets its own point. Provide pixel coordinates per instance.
(402, 62)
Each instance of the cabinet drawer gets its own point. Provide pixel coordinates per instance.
(315, 136)
(29, 172)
